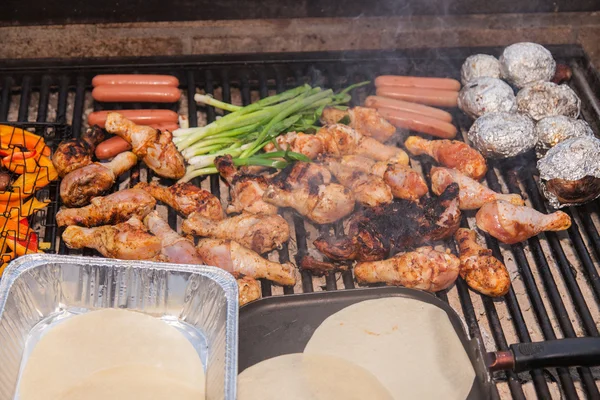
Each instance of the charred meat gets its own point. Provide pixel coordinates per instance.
(76, 153)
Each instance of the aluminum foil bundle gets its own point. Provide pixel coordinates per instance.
(484, 95)
(525, 63)
(553, 130)
(544, 99)
(478, 66)
(570, 172)
(502, 135)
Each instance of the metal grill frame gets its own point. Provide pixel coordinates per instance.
(70, 81)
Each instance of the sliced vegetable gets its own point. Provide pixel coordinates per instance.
(11, 136)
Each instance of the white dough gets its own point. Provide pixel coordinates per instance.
(308, 377)
(409, 345)
(71, 352)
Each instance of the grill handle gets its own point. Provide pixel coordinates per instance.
(551, 353)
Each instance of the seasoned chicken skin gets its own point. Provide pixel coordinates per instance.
(338, 140)
(72, 154)
(451, 154)
(404, 182)
(186, 199)
(248, 290)
(129, 240)
(261, 233)
(512, 224)
(472, 194)
(78, 187)
(112, 209)
(155, 148)
(241, 261)
(365, 121)
(367, 188)
(423, 268)
(479, 268)
(246, 190)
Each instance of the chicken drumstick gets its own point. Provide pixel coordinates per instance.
(366, 121)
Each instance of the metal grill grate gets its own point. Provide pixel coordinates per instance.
(556, 287)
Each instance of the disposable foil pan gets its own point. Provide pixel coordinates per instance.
(38, 291)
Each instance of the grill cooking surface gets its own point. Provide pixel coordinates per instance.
(556, 286)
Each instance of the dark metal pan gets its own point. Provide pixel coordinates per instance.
(284, 324)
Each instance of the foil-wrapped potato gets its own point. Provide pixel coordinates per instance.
(570, 172)
(502, 135)
(478, 66)
(484, 95)
(553, 130)
(525, 63)
(545, 99)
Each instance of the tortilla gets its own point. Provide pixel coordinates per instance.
(76, 349)
(409, 345)
(308, 377)
(132, 382)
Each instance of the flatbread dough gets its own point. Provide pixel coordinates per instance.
(308, 377)
(409, 345)
(130, 382)
(73, 351)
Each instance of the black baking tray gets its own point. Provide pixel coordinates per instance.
(279, 325)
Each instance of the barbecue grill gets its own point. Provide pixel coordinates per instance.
(556, 285)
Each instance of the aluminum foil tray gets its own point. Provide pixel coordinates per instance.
(38, 291)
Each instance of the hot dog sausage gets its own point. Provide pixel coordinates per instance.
(136, 93)
(165, 127)
(432, 97)
(418, 82)
(111, 147)
(133, 79)
(419, 123)
(140, 117)
(399, 105)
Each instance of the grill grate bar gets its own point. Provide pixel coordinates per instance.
(24, 102)
(44, 98)
(5, 99)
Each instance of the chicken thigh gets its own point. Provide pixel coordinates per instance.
(366, 121)
(423, 268)
(472, 194)
(261, 233)
(78, 187)
(129, 240)
(240, 261)
(479, 268)
(186, 198)
(451, 154)
(512, 224)
(76, 153)
(155, 148)
(108, 210)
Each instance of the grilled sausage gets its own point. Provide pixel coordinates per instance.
(141, 117)
(419, 123)
(418, 82)
(111, 147)
(133, 79)
(136, 93)
(432, 97)
(399, 105)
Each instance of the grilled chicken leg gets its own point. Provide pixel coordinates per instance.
(512, 224)
(246, 190)
(155, 148)
(179, 250)
(322, 204)
(261, 233)
(186, 198)
(76, 153)
(405, 182)
(479, 268)
(424, 269)
(240, 261)
(472, 194)
(451, 154)
(108, 210)
(365, 121)
(78, 187)
(367, 188)
(129, 240)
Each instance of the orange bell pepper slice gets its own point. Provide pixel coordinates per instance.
(11, 136)
(21, 162)
(22, 247)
